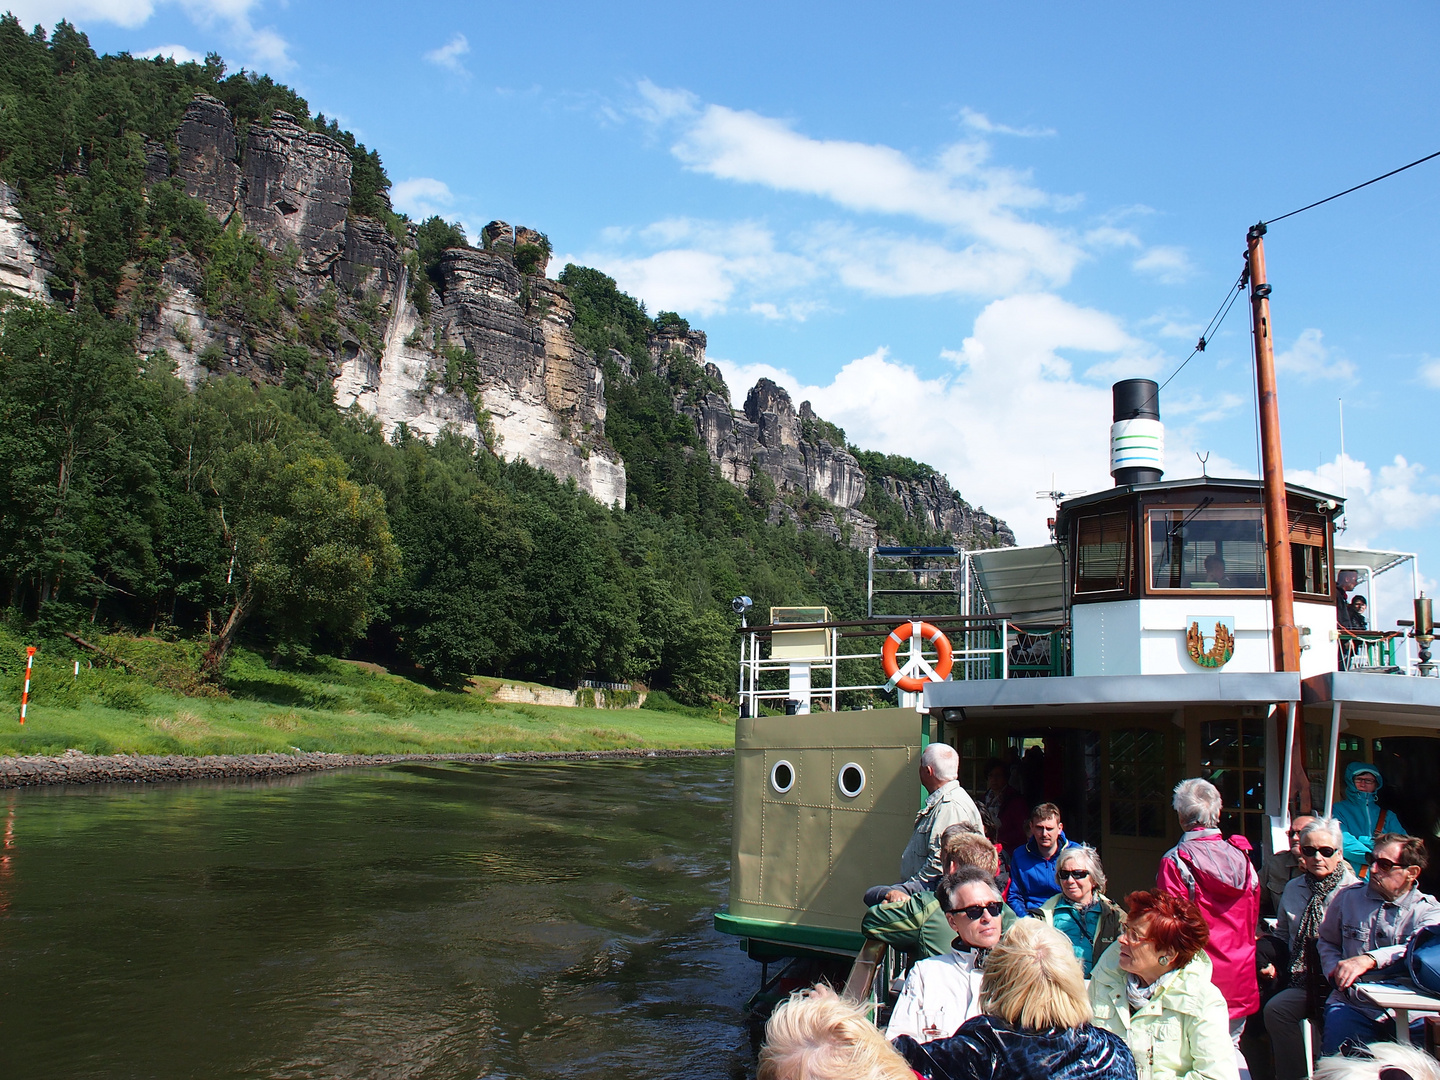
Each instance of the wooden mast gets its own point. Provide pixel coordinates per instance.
(1286, 637)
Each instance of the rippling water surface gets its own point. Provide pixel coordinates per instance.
(507, 919)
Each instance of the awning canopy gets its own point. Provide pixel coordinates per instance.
(1390, 699)
(1377, 562)
(1022, 583)
(1078, 694)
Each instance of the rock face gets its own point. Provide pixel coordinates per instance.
(370, 259)
(933, 504)
(492, 353)
(770, 438)
(545, 395)
(296, 191)
(209, 155)
(22, 268)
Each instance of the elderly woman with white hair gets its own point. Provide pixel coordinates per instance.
(1081, 910)
(1302, 909)
(1215, 873)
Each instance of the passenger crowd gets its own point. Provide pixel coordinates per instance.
(1026, 970)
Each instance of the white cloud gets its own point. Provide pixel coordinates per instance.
(1398, 496)
(660, 104)
(422, 196)
(448, 55)
(1310, 358)
(702, 266)
(1169, 265)
(1108, 236)
(127, 13)
(1429, 372)
(980, 122)
(959, 191)
(179, 53)
(1010, 415)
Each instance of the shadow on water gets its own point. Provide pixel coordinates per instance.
(490, 920)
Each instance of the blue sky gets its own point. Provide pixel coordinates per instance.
(950, 227)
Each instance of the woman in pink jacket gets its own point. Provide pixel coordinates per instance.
(1216, 873)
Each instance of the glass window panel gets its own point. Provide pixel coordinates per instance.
(1102, 559)
(1151, 820)
(1207, 548)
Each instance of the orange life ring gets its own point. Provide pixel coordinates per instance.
(932, 634)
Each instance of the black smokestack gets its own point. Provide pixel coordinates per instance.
(1137, 438)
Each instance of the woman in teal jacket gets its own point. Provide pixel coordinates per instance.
(1360, 815)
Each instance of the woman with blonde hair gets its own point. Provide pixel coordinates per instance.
(816, 1035)
(1034, 1022)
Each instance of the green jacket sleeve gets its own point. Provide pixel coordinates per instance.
(916, 925)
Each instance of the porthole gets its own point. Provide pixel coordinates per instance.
(851, 780)
(782, 777)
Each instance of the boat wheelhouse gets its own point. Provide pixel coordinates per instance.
(1135, 650)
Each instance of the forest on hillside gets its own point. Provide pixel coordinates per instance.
(259, 514)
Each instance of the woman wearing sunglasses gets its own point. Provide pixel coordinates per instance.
(1081, 910)
(1302, 910)
(941, 993)
(1153, 989)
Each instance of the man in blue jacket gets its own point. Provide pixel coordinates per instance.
(1032, 867)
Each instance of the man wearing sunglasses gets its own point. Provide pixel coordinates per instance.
(1280, 867)
(1298, 919)
(941, 993)
(1364, 935)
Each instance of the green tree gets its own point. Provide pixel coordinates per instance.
(305, 544)
(79, 499)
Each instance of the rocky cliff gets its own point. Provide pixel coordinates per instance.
(817, 484)
(481, 341)
(494, 358)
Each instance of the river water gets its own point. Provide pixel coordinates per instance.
(424, 920)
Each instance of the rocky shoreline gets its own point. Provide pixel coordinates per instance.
(74, 767)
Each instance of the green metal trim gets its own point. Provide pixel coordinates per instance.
(823, 937)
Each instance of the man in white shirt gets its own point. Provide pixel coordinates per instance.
(941, 993)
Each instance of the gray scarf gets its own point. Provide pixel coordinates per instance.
(1308, 927)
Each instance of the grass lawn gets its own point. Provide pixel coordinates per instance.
(158, 706)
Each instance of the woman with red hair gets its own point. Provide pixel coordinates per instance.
(1153, 989)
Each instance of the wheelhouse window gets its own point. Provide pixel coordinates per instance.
(1207, 548)
(1102, 552)
(1309, 561)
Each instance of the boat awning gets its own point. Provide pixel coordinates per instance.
(1122, 693)
(1377, 562)
(1022, 583)
(1389, 699)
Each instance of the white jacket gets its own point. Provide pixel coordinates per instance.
(939, 995)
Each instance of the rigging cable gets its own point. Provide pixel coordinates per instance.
(1209, 332)
(1357, 187)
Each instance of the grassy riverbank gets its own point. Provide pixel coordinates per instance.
(156, 704)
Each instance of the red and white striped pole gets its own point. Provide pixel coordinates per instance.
(25, 694)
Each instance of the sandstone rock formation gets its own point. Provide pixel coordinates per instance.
(22, 267)
(491, 353)
(209, 155)
(296, 191)
(770, 438)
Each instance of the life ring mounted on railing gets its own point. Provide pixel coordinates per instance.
(916, 671)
